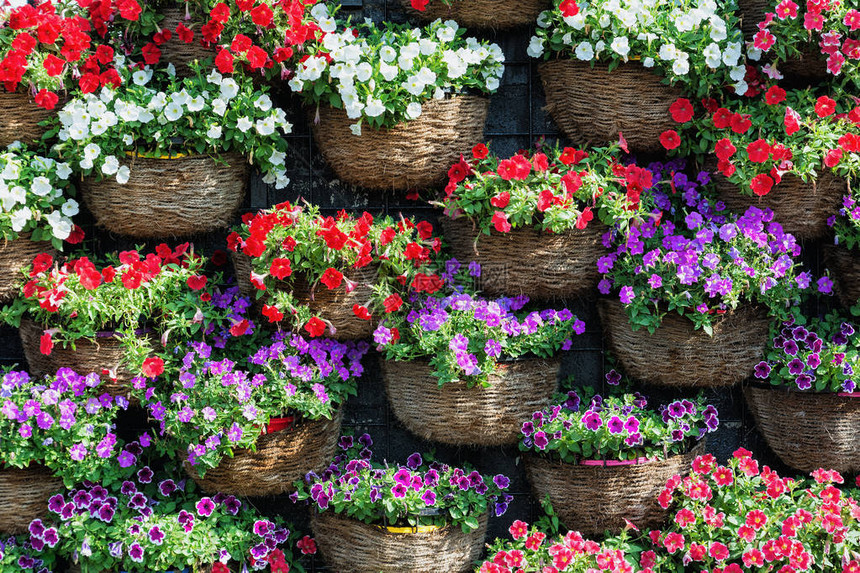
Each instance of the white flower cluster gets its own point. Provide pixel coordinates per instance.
(388, 74)
(664, 33)
(32, 193)
(93, 122)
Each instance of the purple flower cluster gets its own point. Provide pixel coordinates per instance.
(846, 225)
(26, 560)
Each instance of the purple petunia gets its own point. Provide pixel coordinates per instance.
(205, 507)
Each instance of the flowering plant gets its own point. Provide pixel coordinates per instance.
(19, 555)
(381, 74)
(155, 114)
(618, 426)
(155, 522)
(818, 353)
(422, 492)
(846, 223)
(739, 517)
(65, 423)
(683, 255)
(465, 336)
(694, 43)
(289, 243)
(34, 193)
(208, 408)
(552, 189)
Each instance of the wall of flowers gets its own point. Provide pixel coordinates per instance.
(429, 285)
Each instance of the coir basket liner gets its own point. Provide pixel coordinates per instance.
(14, 255)
(20, 117)
(592, 106)
(24, 496)
(593, 499)
(845, 266)
(483, 14)
(455, 414)
(412, 155)
(678, 355)
(169, 197)
(808, 430)
(281, 458)
(351, 546)
(175, 51)
(526, 261)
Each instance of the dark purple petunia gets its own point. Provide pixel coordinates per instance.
(762, 370)
(804, 381)
(205, 507)
(501, 481)
(429, 497)
(414, 461)
(540, 440)
(796, 366)
(790, 347)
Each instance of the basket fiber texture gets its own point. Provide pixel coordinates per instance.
(24, 496)
(808, 430)
(527, 261)
(592, 499)
(88, 356)
(170, 197)
(591, 106)
(15, 255)
(177, 52)
(679, 356)
(457, 415)
(845, 266)
(20, 118)
(281, 458)
(351, 546)
(413, 155)
(482, 14)
(801, 208)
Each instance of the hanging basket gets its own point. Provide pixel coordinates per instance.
(801, 208)
(103, 353)
(412, 155)
(526, 261)
(177, 52)
(845, 266)
(809, 430)
(20, 118)
(481, 14)
(14, 255)
(351, 546)
(282, 457)
(24, 496)
(594, 498)
(678, 355)
(592, 106)
(176, 197)
(457, 415)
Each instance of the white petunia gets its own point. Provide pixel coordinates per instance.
(535, 49)
(621, 46)
(244, 124)
(277, 157)
(388, 72)
(214, 78)
(127, 139)
(296, 85)
(196, 103)
(584, 51)
(492, 84)
(70, 208)
(266, 126)
(355, 128)
(445, 34)
(427, 47)
(86, 163)
(229, 89)
(63, 170)
(363, 72)
(214, 132)
(219, 106)
(387, 54)
(20, 217)
(141, 77)
(173, 111)
(681, 66)
(91, 151)
(281, 181)
(79, 132)
(123, 174)
(110, 165)
(263, 103)
(41, 186)
(413, 110)
(374, 107)
(713, 56)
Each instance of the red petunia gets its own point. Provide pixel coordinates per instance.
(315, 327)
(196, 282)
(272, 313)
(501, 200)
(741, 123)
(241, 43)
(825, 106)
(459, 170)
(500, 222)
(332, 278)
(185, 34)
(224, 61)
(723, 118)
(46, 99)
(758, 151)
(53, 65)
(670, 139)
(256, 57)
(724, 149)
(568, 8)
(420, 5)
(153, 366)
(774, 95)
(480, 151)
(571, 156)
(791, 121)
(220, 13)
(262, 15)
(46, 343)
(129, 9)
(681, 110)
(392, 303)
(761, 184)
(584, 218)
(833, 157)
(240, 328)
(361, 312)
(151, 53)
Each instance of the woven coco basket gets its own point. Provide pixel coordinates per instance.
(801, 208)
(104, 353)
(177, 52)
(527, 261)
(412, 155)
(281, 458)
(20, 118)
(24, 496)
(481, 14)
(808, 430)
(593, 499)
(679, 356)
(351, 546)
(477, 416)
(845, 266)
(170, 197)
(592, 106)
(14, 255)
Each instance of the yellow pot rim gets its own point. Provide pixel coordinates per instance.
(175, 156)
(418, 529)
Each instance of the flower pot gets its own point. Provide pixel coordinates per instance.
(14, 255)
(526, 261)
(281, 457)
(351, 546)
(678, 355)
(845, 266)
(24, 494)
(801, 208)
(594, 498)
(482, 14)
(412, 155)
(457, 415)
(593, 105)
(21, 117)
(177, 52)
(103, 353)
(180, 196)
(808, 430)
